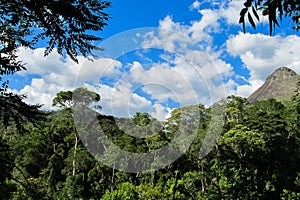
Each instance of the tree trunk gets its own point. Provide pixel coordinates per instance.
(112, 178)
(74, 155)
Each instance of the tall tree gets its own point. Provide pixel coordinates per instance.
(68, 99)
(63, 99)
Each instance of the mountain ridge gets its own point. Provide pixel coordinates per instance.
(281, 85)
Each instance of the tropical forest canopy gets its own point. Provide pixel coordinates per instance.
(256, 156)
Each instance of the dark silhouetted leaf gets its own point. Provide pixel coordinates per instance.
(274, 9)
(243, 12)
(270, 25)
(255, 13)
(251, 21)
(248, 3)
(242, 18)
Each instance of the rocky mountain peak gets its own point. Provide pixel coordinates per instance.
(281, 84)
(281, 74)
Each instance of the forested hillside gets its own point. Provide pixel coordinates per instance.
(256, 156)
(236, 149)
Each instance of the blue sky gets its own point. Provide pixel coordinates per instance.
(163, 54)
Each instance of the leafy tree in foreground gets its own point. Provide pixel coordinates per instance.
(63, 24)
(274, 9)
(14, 109)
(68, 26)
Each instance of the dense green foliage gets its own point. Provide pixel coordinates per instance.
(43, 157)
(256, 157)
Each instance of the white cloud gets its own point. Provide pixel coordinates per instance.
(262, 54)
(177, 37)
(40, 92)
(37, 63)
(195, 5)
(247, 90)
(230, 11)
(227, 10)
(58, 74)
(202, 29)
(172, 36)
(181, 83)
(196, 61)
(121, 101)
(161, 112)
(65, 71)
(160, 81)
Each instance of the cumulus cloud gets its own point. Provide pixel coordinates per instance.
(175, 36)
(228, 10)
(59, 74)
(196, 61)
(121, 100)
(192, 67)
(247, 90)
(37, 63)
(195, 5)
(202, 29)
(117, 92)
(65, 72)
(262, 54)
(163, 82)
(41, 92)
(172, 36)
